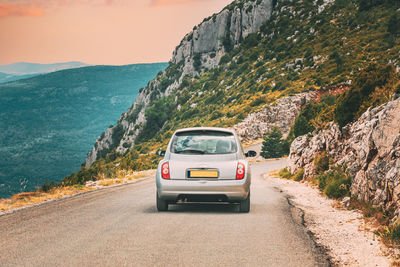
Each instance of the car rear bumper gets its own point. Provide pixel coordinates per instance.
(231, 190)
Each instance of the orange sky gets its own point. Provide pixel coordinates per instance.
(97, 31)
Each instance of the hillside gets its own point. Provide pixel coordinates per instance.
(25, 68)
(5, 77)
(300, 47)
(49, 122)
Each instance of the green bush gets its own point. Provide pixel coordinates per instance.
(251, 40)
(393, 26)
(303, 123)
(334, 183)
(338, 188)
(361, 95)
(156, 115)
(299, 175)
(285, 173)
(346, 110)
(197, 62)
(321, 163)
(117, 134)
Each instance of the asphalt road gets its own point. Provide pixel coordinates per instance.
(121, 227)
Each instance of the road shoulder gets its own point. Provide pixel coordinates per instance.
(344, 234)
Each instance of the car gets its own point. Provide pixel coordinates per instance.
(203, 164)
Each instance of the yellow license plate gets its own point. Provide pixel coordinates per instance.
(203, 174)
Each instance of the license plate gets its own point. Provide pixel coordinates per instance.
(203, 174)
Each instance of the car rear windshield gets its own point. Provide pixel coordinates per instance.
(204, 142)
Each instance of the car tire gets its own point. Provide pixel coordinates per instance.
(244, 205)
(162, 205)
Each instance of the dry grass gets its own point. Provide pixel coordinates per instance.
(273, 174)
(108, 182)
(32, 198)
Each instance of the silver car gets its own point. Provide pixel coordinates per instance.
(204, 165)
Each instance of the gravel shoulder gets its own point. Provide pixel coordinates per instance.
(344, 234)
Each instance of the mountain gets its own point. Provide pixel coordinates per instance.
(5, 77)
(49, 122)
(23, 68)
(308, 65)
(252, 53)
(199, 51)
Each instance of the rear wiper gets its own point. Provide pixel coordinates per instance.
(191, 151)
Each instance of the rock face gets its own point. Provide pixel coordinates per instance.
(280, 114)
(199, 51)
(369, 147)
(207, 39)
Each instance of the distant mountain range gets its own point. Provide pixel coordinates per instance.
(23, 68)
(49, 122)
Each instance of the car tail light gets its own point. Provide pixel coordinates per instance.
(165, 171)
(240, 171)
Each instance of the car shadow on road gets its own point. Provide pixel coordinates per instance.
(221, 208)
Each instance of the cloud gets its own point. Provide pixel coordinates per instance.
(19, 9)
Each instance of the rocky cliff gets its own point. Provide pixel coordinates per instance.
(280, 114)
(199, 51)
(369, 147)
(210, 40)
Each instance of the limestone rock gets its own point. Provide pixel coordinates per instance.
(369, 147)
(280, 114)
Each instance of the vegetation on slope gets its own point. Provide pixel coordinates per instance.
(301, 48)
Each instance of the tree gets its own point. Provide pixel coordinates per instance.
(363, 93)
(393, 26)
(273, 145)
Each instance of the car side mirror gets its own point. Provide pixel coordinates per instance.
(250, 153)
(161, 153)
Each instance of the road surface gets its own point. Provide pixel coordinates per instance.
(120, 227)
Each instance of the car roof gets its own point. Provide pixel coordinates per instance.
(219, 129)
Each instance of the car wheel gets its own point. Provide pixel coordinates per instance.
(244, 205)
(162, 205)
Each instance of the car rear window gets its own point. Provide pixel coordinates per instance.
(204, 142)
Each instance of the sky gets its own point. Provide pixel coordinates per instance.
(109, 32)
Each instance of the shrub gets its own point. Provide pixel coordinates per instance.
(197, 62)
(321, 163)
(393, 26)
(117, 134)
(47, 186)
(338, 188)
(227, 43)
(392, 232)
(258, 101)
(285, 173)
(156, 115)
(299, 175)
(251, 40)
(302, 126)
(334, 183)
(347, 108)
(225, 59)
(365, 92)
(303, 123)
